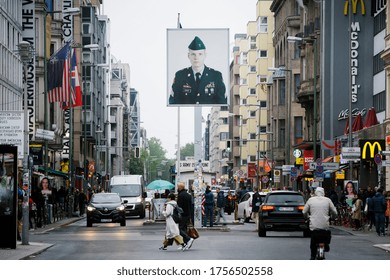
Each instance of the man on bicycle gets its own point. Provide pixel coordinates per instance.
(319, 208)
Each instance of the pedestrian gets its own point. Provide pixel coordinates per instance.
(184, 200)
(379, 209)
(334, 197)
(172, 232)
(82, 202)
(357, 211)
(198, 84)
(256, 202)
(208, 207)
(221, 204)
(369, 209)
(387, 213)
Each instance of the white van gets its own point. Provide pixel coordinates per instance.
(132, 189)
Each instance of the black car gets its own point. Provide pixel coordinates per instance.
(106, 208)
(282, 211)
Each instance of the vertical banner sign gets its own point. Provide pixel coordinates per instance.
(67, 31)
(28, 35)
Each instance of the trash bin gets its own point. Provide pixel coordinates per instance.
(158, 208)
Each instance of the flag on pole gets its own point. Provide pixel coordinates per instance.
(58, 75)
(75, 83)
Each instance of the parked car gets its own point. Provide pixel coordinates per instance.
(106, 208)
(282, 211)
(244, 208)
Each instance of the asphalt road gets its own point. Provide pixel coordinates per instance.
(140, 241)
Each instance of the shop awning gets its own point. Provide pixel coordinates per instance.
(54, 172)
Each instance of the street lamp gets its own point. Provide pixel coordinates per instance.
(288, 146)
(315, 120)
(26, 54)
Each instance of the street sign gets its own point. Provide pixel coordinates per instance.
(386, 163)
(265, 179)
(319, 161)
(378, 158)
(350, 152)
(294, 172)
(45, 134)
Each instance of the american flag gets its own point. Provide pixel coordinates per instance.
(75, 83)
(58, 75)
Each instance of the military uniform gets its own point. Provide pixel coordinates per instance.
(211, 89)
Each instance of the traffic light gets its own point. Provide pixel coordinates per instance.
(137, 152)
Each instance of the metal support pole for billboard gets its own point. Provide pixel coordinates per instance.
(26, 54)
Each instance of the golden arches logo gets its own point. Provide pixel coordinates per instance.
(354, 4)
(372, 149)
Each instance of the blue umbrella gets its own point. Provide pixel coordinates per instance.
(160, 185)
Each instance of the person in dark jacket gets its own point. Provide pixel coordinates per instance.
(379, 208)
(256, 202)
(208, 207)
(184, 200)
(221, 203)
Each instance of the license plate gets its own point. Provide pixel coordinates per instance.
(105, 220)
(286, 208)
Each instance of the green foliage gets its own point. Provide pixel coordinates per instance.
(187, 151)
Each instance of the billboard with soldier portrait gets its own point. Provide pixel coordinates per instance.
(198, 67)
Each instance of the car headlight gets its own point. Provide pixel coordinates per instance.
(90, 208)
(139, 199)
(120, 208)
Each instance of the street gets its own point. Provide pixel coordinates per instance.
(139, 241)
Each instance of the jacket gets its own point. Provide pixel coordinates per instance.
(357, 215)
(184, 200)
(378, 203)
(171, 228)
(221, 200)
(209, 198)
(318, 208)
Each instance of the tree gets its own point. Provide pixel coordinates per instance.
(157, 163)
(136, 165)
(187, 151)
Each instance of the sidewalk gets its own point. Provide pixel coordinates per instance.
(23, 251)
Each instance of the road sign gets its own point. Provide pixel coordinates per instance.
(45, 134)
(265, 179)
(319, 169)
(378, 158)
(294, 172)
(350, 152)
(386, 163)
(319, 161)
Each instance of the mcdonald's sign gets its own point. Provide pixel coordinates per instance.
(370, 148)
(354, 4)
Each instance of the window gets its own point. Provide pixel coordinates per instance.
(244, 58)
(263, 104)
(243, 81)
(262, 54)
(261, 79)
(252, 136)
(244, 162)
(252, 158)
(252, 68)
(282, 92)
(282, 133)
(252, 91)
(262, 25)
(252, 44)
(263, 129)
(116, 74)
(298, 129)
(252, 114)
(379, 101)
(297, 82)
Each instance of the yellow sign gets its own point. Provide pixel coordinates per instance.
(300, 161)
(372, 149)
(354, 4)
(340, 175)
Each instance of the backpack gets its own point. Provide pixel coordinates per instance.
(177, 214)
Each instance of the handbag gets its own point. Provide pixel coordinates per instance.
(192, 231)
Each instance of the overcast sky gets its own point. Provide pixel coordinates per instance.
(138, 37)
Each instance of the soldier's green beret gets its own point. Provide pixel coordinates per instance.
(197, 44)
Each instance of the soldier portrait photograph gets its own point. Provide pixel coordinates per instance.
(198, 83)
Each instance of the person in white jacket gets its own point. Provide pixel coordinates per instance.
(172, 232)
(319, 208)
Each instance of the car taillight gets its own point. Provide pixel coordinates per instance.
(267, 208)
(300, 208)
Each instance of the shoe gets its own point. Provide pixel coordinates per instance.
(312, 258)
(327, 248)
(189, 243)
(183, 247)
(162, 248)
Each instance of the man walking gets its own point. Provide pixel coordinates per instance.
(184, 200)
(221, 203)
(379, 207)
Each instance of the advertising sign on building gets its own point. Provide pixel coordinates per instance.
(11, 130)
(308, 156)
(189, 165)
